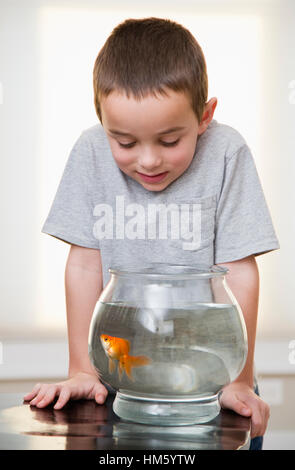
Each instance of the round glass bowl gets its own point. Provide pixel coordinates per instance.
(167, 338)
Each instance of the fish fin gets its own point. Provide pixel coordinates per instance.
(127, 367)
(138, 361)
(112, 365)
(120, 369)
(134, 361)
(128, 345)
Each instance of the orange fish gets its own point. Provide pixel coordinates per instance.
(118, 349)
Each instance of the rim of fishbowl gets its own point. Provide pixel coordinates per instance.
(196, 271)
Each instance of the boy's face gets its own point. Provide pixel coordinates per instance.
(153, 140)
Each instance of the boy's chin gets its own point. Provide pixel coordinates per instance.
(155, 186)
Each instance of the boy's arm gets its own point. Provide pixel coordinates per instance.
(243, 280)
(83, 285)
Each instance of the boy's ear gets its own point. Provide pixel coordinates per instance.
(207, 115)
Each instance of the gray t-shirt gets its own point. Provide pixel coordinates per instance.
(215, 212)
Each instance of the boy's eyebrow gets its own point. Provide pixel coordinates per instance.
(172, 129)
(166, 131)
(113, 131)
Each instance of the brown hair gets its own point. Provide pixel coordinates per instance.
(145, 56)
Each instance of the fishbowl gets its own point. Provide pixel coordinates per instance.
(167, 338)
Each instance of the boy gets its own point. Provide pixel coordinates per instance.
(158, 144)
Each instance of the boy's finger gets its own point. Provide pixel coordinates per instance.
(39, 395)
(256, 424)
(64, 397)
(259, 422)
(233, 403)
(48, 397)
(100, 397)
(259, 416)
(101, 393)
(244, 410)
(33, 393)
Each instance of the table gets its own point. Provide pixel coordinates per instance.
(85, 425)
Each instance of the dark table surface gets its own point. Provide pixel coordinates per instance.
(84, 425)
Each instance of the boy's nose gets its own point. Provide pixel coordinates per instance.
(149, 160)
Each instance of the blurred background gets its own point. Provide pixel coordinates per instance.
(47, 53)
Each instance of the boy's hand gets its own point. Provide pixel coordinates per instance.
(241, 398)
(81, 385)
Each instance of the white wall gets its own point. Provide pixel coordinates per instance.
(47, 51)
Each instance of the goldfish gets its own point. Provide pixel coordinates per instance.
(118, 349)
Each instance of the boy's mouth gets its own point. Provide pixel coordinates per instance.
(153, 178)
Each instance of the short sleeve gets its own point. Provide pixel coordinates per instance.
(71, 215)
(243, 222)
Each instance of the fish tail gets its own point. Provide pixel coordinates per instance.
(127, 362)
(137, 361)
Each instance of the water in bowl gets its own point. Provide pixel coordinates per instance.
(167, 355)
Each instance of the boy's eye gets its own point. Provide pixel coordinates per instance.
(126, 146)
(170, 144)
(165, 144)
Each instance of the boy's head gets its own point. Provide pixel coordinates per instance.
(148, 56)
(149, 78)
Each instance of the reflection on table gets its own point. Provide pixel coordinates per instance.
(85, 425)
